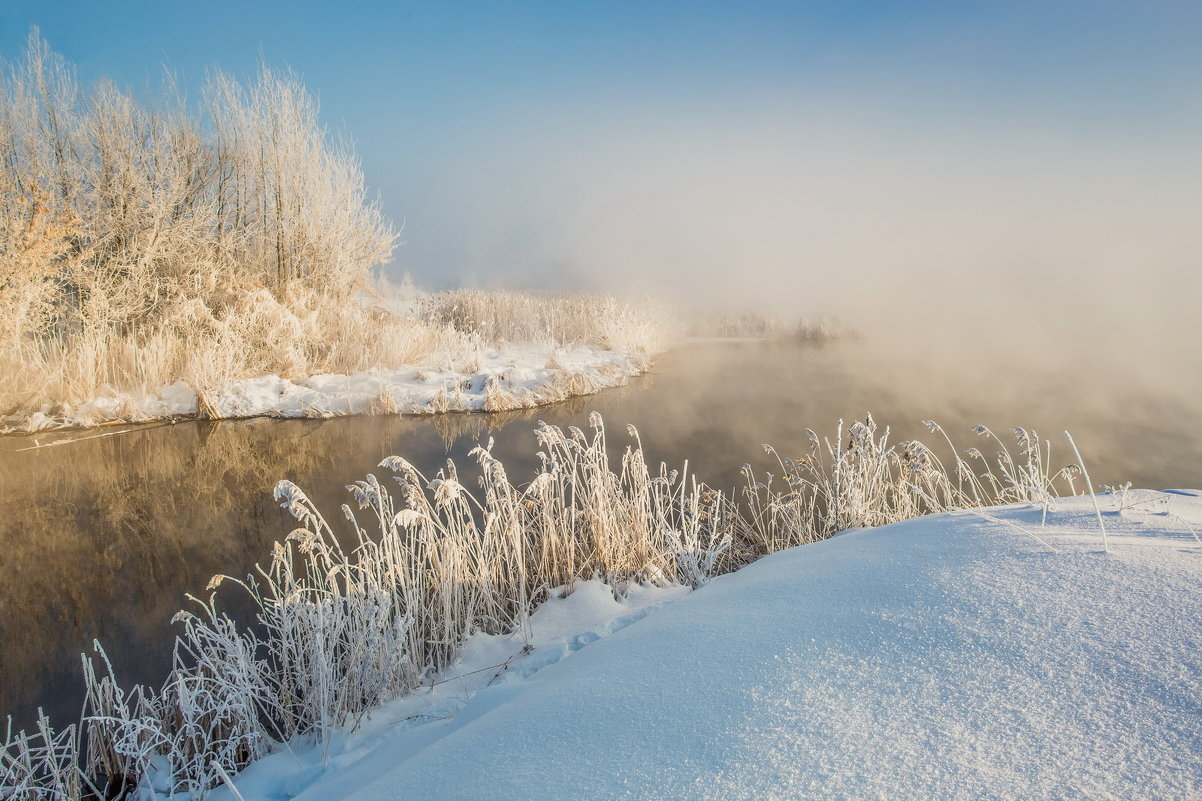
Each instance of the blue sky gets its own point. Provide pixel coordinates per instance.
(648, 144)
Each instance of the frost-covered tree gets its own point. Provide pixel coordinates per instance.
(131, 227)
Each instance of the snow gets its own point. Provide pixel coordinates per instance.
(490, 669)
(953, 656)
(518, 376)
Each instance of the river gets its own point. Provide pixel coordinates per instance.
(104, 533)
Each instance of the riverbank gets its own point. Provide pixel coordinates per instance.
(959, 655)
(494, 379)
(347, 625)
(397, 351)
(111, 527)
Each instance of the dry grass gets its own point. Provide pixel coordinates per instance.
(342, 629)
(555, 318)
(859, 480)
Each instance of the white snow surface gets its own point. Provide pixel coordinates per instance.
(522, 372)
(957, 656)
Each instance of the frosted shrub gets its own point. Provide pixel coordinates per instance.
(117, 214)
(148, 240)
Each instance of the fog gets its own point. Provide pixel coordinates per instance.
(984, 183)
(983, 243)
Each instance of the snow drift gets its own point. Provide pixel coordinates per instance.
(961, 655)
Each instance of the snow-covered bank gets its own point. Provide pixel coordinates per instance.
(951, 656)
(510, 377)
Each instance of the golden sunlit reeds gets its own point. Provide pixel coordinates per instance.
(342, 629)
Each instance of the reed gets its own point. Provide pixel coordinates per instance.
(556, 318)
(346, 623)
(860, 480)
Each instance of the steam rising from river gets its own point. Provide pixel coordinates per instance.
(947, 240)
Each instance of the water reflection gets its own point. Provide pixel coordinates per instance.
(103, 535)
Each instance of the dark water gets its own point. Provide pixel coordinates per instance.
(102, 536)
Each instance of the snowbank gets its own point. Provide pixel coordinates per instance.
(953, 656)
(512, 377)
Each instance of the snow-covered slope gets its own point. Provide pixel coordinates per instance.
(953, 656)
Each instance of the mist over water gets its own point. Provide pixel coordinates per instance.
(104, 535)
(989, 244)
